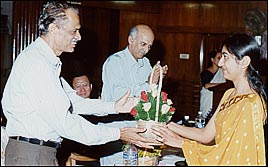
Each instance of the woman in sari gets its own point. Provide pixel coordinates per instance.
(237, 124)
(210, 77)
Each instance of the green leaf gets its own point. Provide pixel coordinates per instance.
(150, 115)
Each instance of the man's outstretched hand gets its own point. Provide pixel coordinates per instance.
(131, 135)
(126, 103)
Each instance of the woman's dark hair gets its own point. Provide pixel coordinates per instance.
(53, 12)
(212, 54)
(245, 45)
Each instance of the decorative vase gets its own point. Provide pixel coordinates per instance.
(148, 124)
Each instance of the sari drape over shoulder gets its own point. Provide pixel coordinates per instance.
(206, 96)
(239, 138)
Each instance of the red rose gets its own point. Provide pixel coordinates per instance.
(164, 96)
(144, 96)
(172, 109)
(133, 111)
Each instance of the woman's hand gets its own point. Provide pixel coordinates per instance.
(173, 126)
(167, 136)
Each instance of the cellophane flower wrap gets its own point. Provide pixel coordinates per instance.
(146, 108)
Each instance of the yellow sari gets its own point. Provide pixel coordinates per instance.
(239, 138)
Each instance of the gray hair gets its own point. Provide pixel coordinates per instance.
(133, 32)
(53, 12)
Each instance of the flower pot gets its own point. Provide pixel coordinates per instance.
(148, 124)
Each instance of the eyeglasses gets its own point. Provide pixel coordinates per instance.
(85, 86)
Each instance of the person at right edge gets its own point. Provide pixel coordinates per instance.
(238, 122)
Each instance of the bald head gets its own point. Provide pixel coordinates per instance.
(140, 40)
(141, 28)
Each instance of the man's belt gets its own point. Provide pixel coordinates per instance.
(37, 141)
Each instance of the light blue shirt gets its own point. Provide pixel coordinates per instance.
(121, 71)
(36, 105)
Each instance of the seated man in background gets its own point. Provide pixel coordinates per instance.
(83, 87)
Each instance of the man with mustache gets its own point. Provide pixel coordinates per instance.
(129, 68)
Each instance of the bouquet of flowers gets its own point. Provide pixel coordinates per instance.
(147, 110)
(153, 109)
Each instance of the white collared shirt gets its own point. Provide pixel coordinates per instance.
(36, 105)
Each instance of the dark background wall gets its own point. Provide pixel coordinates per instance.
(179, 26)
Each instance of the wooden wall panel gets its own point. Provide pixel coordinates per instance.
(137, 6)
(181, 69)
(174, 13)
(25, 23)
(182, 81)
(207, 13)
